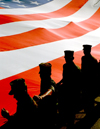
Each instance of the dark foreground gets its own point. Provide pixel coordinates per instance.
(89, 121)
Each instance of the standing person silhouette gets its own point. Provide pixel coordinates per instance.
(89, 68)
(26, 114)
(46, 98)
(69, 90)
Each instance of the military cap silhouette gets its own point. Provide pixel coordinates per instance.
(69, 53)
(45, 67)
(87, 46)
(17, 85)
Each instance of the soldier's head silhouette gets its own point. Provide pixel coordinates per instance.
(45, 70)
(68, 55)
(87, 49)
(18, 87)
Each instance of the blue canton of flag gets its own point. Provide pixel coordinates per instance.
(22, 3)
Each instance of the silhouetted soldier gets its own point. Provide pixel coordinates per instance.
(25, 116)
(47, 99)
(89, 68)
(69, 90)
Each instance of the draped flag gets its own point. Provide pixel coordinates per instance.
(35, 31)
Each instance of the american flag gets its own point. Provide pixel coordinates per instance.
(35, 31)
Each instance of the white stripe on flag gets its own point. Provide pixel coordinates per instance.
(27, 58)
(54, 23)
(24, 26)
(82, 14)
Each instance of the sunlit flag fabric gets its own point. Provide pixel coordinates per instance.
(33, 31)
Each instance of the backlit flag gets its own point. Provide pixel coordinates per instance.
(35, 31)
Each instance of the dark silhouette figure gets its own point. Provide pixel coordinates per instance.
(89, 68)
(26, 114)
(69, 90)
(46, 98)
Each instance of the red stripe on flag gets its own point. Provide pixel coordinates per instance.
(67, 10)
(1, 8)
(41, 36)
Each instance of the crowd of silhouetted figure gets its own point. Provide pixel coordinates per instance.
(57, 103)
